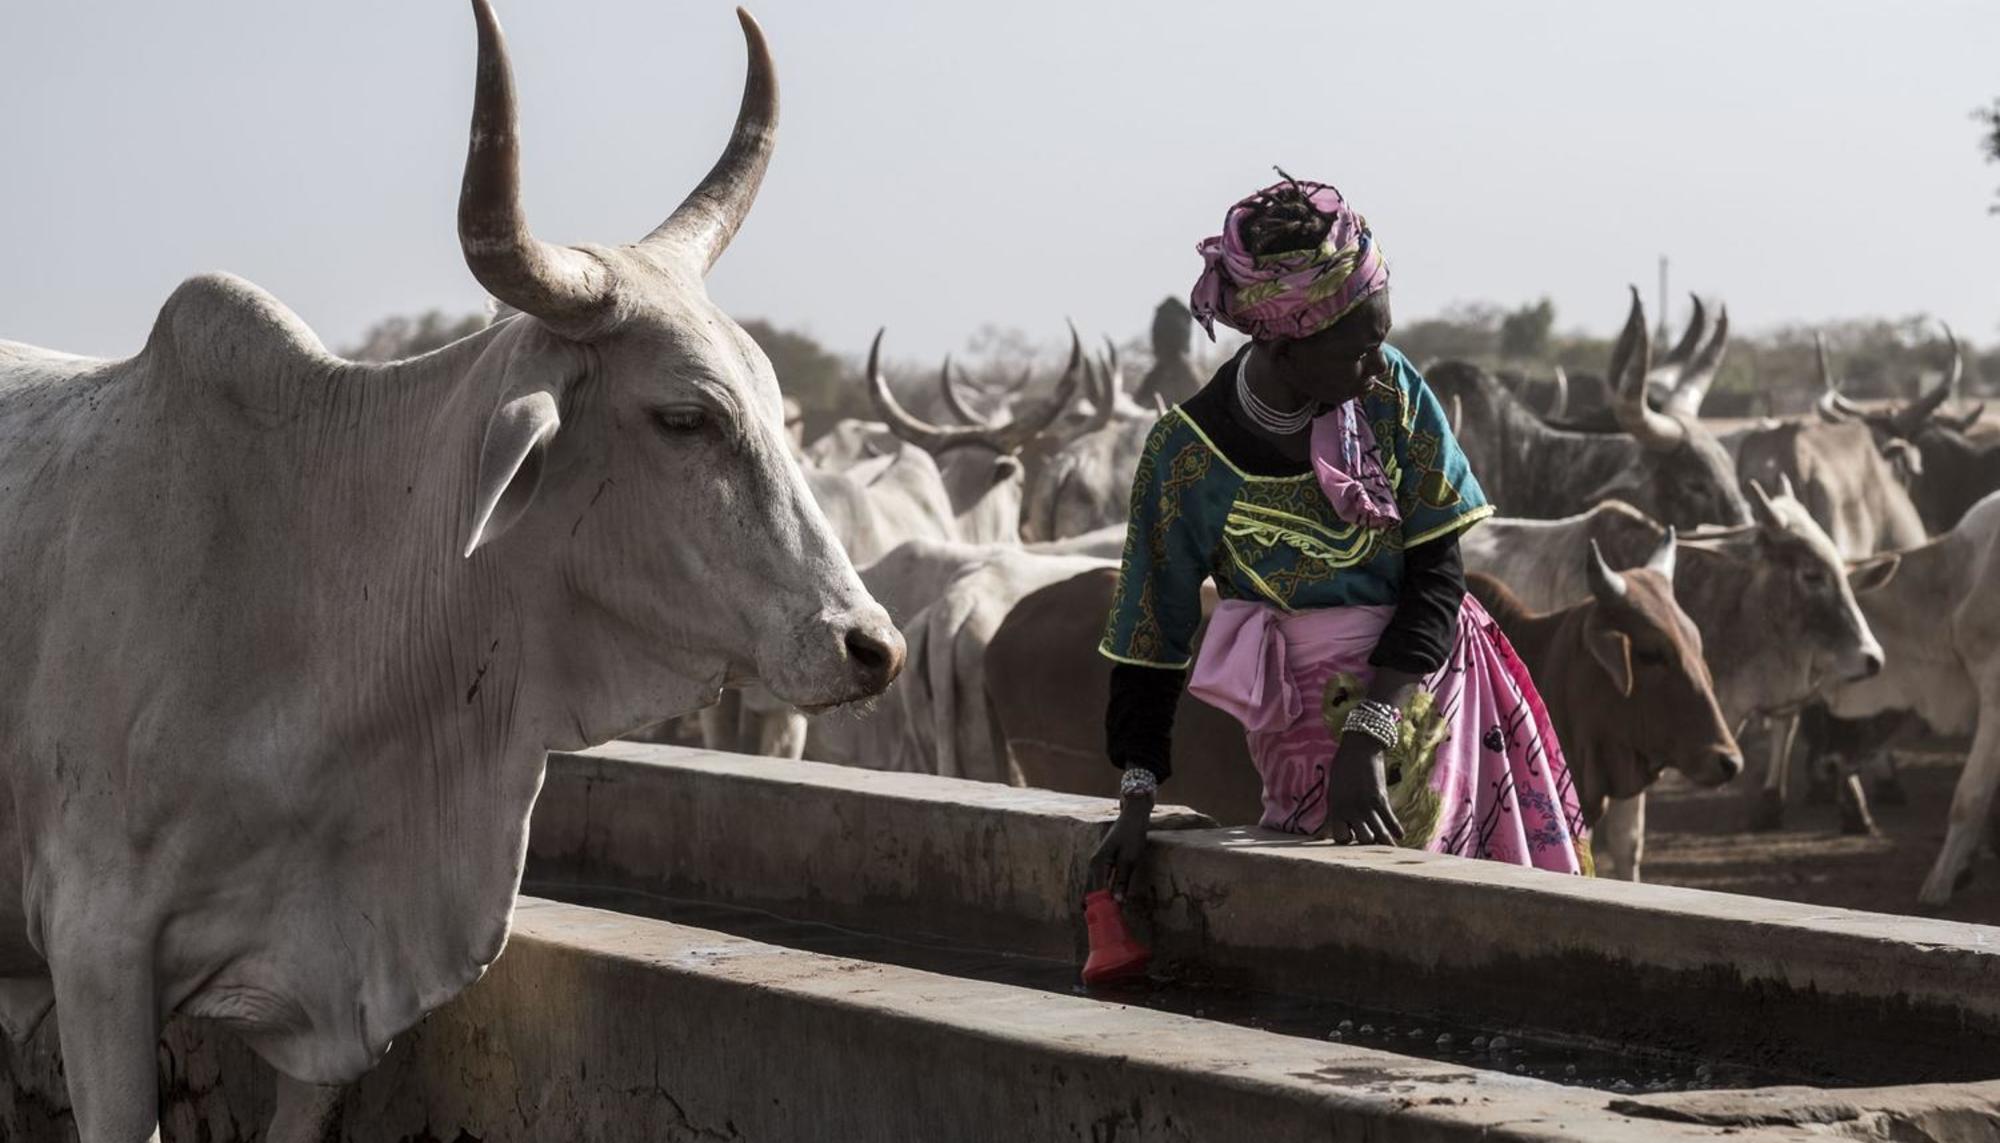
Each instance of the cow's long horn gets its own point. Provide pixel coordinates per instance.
(1957, 372)
(1699, 372)
(1826, 384)
(566, 288)
(1018, 432)
(1761, 507)
(1691, 337)
(1910, 419)
(1105, 397)
(1606, 585)
(1559, 408)
(954, 400)
(1662, 559)
(1964, 421)
(1631, 361)
(699, 229)
(917, 431)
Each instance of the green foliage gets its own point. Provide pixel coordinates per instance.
(1989, 125)
(395, 338)
(820, 382)
(1525, 332)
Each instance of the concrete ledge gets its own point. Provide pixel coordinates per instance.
(990, 865)
(599, 1026)
(1800, 990)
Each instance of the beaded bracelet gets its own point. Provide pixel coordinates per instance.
(1377, 720)
(1138, 780)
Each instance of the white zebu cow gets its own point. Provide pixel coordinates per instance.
(873, 507)
(948, 599)
(290, 637)
(1776, 612)
(1939, 618)
(982, 472)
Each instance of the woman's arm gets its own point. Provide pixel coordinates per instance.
(1416, 642)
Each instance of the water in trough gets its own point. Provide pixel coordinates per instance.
(1497, 1049)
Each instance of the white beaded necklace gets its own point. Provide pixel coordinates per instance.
(1267, 418)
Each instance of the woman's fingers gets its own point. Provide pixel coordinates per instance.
(1384, 834)
(1389, 819)
(1340, 831)
(1121, 879)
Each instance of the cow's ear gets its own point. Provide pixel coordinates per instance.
(1873, 574)
(510, 463)
(1613, 652)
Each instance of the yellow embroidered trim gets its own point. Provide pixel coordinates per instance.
(1180, 666)
(1231, 465)
(1455, 524)
(1313, 527)
(1358, 551)
(1255, 579)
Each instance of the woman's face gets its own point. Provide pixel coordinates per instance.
(1334, 365)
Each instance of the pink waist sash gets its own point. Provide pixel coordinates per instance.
(1243, 665)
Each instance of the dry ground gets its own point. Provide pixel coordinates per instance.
(1698, 838)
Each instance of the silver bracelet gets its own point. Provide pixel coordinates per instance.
(1377, 720)
(1138, 780)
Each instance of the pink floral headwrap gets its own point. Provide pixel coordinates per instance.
(1294, 294)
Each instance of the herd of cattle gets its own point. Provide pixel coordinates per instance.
(290, 637)
(1822, 568)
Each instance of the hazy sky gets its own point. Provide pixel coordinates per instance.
(942, 165)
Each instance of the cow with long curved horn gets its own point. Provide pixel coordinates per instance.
(1008, 437)
(367, 600)
(1631, 370)
(1691, 368)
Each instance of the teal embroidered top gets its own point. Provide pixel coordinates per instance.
(1276, 539)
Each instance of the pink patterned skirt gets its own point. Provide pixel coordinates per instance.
(1480, 773)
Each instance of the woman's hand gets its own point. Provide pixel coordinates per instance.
(1123, 850)
(1357, 795)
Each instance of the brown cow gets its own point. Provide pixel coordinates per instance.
(1048, 690)
(1629, 693)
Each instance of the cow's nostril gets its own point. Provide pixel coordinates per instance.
(877, 658)
(1732, 765)
(1871, 664)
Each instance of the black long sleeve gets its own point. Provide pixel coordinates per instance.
(1139, 718)
(1419, 635)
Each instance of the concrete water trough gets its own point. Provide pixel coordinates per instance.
(887, 956)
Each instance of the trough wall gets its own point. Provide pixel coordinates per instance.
(1824, 995)
(598, 1026)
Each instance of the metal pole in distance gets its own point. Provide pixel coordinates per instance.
(1660, 335)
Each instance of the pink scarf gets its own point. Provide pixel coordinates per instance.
(1291, 295)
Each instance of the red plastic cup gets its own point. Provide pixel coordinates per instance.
(1114, 955)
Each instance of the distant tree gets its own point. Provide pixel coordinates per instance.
(1989, 124)
(819, 381)
(1524, 333)
(1466, 330)
(397, 337)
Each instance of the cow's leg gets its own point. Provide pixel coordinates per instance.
(1970, 803)
(782, 734)
(1621, 836)
(306, 1111)
(108, 1025)
(722, 724)
(1770, 813)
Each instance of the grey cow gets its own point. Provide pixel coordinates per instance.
(1663, 461)
(290, 637)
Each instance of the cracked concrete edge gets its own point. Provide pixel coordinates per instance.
(1117, 1053)
(1917, 1113)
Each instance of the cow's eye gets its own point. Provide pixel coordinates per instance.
(1649, 657)
(1812, 575)
(676, 420)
